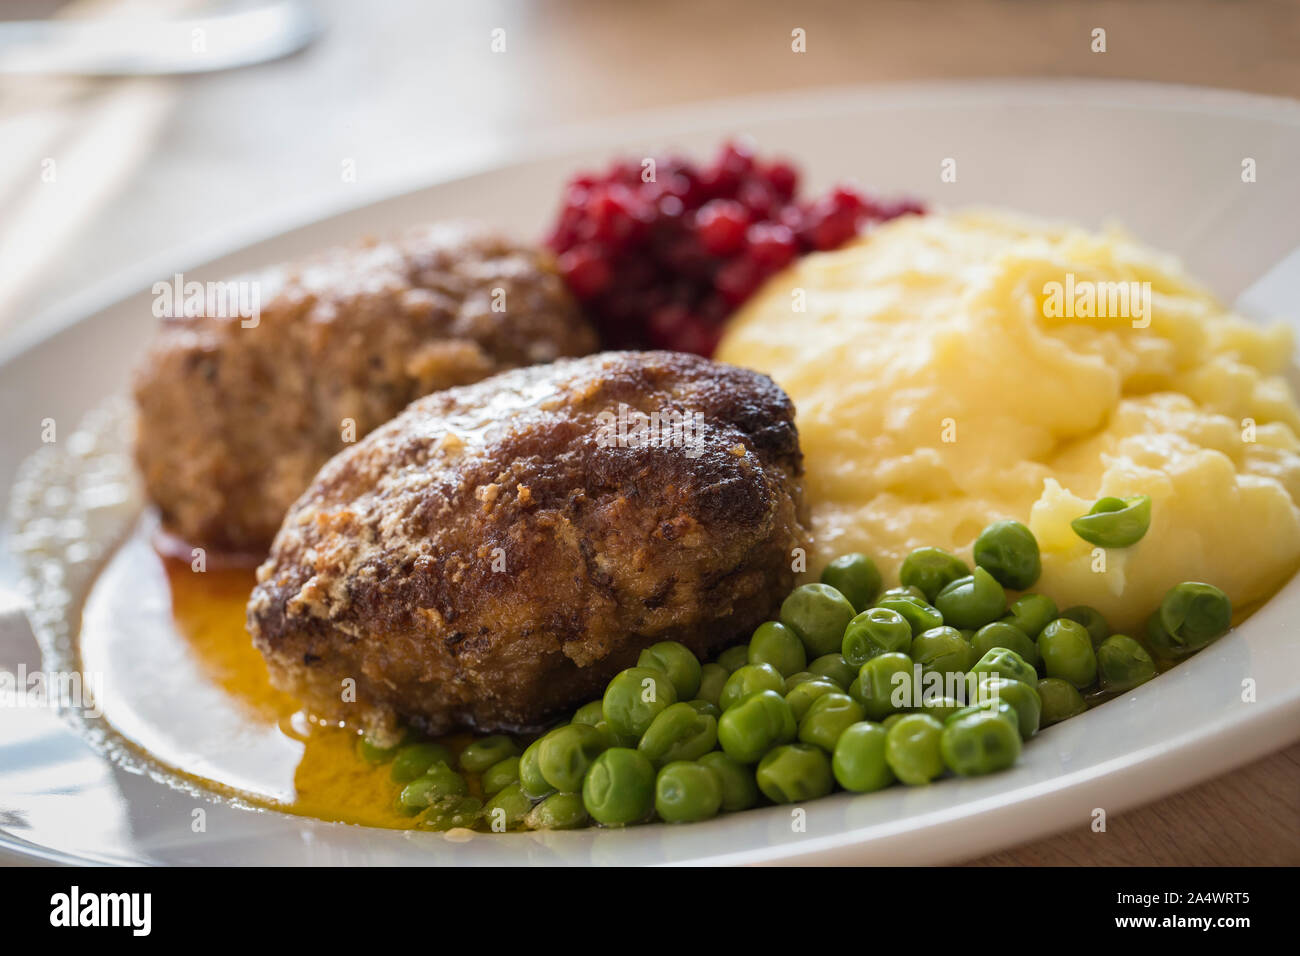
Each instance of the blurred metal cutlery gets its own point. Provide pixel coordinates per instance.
(133, 46)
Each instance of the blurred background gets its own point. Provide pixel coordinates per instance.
(129, 128)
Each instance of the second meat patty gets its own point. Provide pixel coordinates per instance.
(235, 417)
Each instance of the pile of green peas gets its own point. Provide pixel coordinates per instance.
(853, 687)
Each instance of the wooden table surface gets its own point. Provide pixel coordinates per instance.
(1248, 817)
(405, 86)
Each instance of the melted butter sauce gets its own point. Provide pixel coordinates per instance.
(181, 680)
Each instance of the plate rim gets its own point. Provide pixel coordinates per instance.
(1240, 736)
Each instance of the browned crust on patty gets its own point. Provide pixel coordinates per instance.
(488, 560)
(234, 422)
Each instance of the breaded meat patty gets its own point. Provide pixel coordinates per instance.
(492, 556)
(237, 414)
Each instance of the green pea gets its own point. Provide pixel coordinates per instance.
(859, 760)
(484, 752)
(447, 813)
(500, 775)
(877, 630)
(1021, 695)
(566, 753)
(941, 650)
(931, 570)
(1123, 663)
(677, 661)
(1115, 522)
(620, 787)
(1091, 619)
(1191, 615)
(739, 789)
(686, 791)
(453, 811)
(440, 781)
(530, 772)
(446, 782)
(826, 719)
(754, 726)
(1061, 700)
(972, 601)
(940, 708)
(713, 677)
(1009, 551)
(794, 680)
(1005, 635)
(704, 707)
(1004, 662)
(886, 684)
(559, 811)
(747, 680)
(978, 744)
(612, 738)
(444, 813)
(856, 577)
(1031, 613)
(373, 752)
(793, 773)
(590, 713)
(634, 698)
(835, 669)
(775, 644)
(892, 719)
(507, 809)
(818, 614)
(803, 695)
(734, 658)
(414, 760)
(992, 705)
(679, 733)
(1067, 653)
(855, 691)
(904, 591)
(912, 749)
(919, 615)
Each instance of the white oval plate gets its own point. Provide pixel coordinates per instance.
(1164, 161)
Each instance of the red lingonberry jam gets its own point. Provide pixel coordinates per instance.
(721, 225)
(661, 255)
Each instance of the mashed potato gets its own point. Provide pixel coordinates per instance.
(949, 371)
